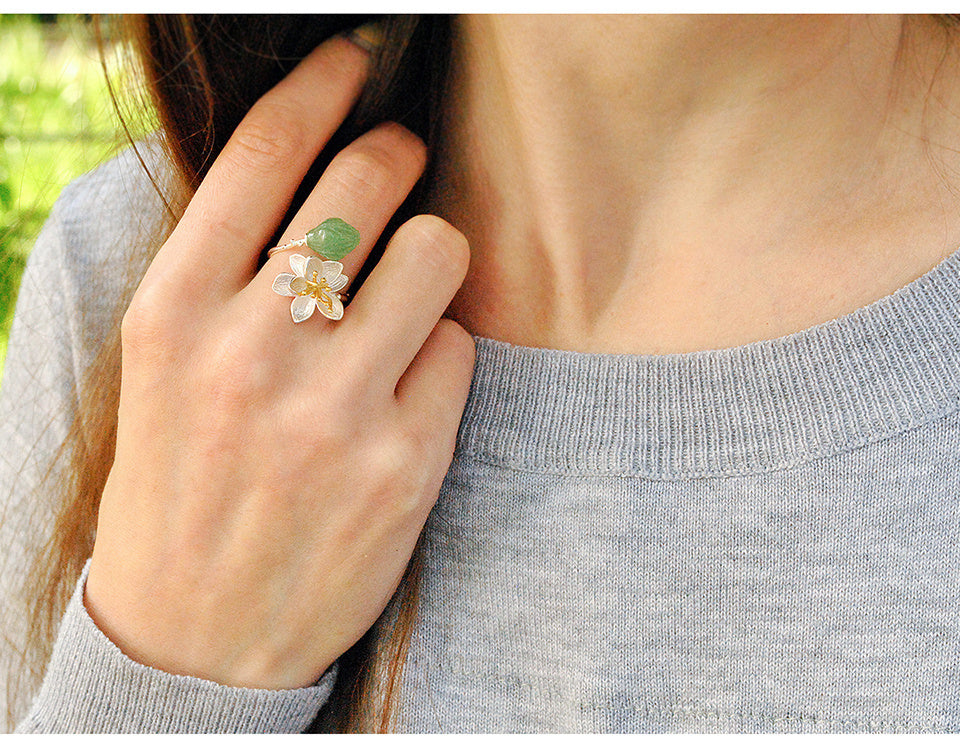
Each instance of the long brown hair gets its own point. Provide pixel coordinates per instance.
(203, 73)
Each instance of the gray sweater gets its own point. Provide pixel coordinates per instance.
(762, 538)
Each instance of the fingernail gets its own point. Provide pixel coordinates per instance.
(368, 37)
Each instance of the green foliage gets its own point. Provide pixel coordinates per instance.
(56, 122)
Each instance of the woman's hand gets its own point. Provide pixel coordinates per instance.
(271, 478)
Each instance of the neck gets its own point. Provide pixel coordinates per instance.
(666, 184)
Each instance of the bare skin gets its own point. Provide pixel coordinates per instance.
(667, 184)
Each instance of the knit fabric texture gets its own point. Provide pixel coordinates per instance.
(762, 538)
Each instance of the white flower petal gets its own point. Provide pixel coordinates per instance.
(313, 265)
(338, 283)
(302, 308)
(336, 312)
(298, 285)
(298, 263)
(331, 271)
(282, 284)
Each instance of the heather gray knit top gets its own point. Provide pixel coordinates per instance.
(755, 539)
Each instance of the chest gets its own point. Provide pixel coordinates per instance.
(814, 598)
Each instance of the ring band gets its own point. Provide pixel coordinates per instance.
(315, 282)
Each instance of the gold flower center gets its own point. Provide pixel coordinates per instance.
(317, 288)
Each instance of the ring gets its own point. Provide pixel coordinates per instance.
(313, 286)
(316, 282)
(332, 239)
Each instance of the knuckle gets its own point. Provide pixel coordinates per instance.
(145, 331)
(234, 376)
(396, 470)
(457, 341)
(398, 148)
(270, 138)
(363, 168)
(415, 444)
(391, 459)
(436, 243)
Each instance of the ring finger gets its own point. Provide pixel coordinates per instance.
(364, 185)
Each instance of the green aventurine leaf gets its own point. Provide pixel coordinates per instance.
(333, 239)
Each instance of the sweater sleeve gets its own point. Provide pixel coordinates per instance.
(92, 687)
(38, 401)
(67, 302)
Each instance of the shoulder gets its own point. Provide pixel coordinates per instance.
(84, 266)
(99, 239)
(82, 271)
(99, 213)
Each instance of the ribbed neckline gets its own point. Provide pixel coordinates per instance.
(878, 371)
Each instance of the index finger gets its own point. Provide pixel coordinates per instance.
(248, 189)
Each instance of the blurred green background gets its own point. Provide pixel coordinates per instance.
(57, 121)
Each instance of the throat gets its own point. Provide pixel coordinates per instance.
(770, 182)
(719, 276)
(685, 306)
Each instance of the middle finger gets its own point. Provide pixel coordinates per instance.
(249, 186)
